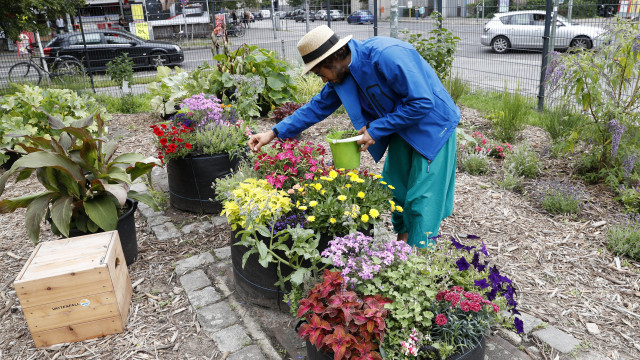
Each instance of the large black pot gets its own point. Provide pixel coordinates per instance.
(126, 231)
(13, 157)
(475, 353)
(190, 181)
(314, 354)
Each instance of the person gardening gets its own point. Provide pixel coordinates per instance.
(396, 101)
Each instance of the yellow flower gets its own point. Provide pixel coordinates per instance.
(332, 220)
(391, 187)
(342, 198)
(374, 213)
(300, 189)
(318, 186)
(399, 209)
(361, 195)
(383, 182)
(322, 192)
(333, 174)
(364, 218)
(303, 208)
(347, 213)
(377, 176)
(341, 169)
(311, 218)
(392, 203)
(313, 203)
(359, 180)
(347, 185)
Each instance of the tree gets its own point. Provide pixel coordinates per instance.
(31, 15)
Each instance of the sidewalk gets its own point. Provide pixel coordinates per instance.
(245, 331)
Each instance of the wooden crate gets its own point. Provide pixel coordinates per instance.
(75, 289)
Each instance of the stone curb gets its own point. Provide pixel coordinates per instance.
(191, 274)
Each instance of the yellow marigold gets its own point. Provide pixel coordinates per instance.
(399, 209)
(332, 220)
(364, 218)
(383, 182)
(322, 192)
(361, 195)
(374, 213)
(300, 189)
(392, 203)
(311, 218)
(347, 185)
(391, 187)
(313, 203)
(342, 198)
(333, 174)
(303, 208)
(377, 176)
(317, 186)
(359, 180)
(341, 169)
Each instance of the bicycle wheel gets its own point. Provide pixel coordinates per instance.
(240, 31)
(67, 68)
(25, 73)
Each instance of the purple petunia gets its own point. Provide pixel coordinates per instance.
(519, 325)
(463, 264)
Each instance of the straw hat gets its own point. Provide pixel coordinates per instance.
(317, 44)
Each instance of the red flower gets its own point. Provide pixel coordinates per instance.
(163, 141)
(441, 319)
(187, 145)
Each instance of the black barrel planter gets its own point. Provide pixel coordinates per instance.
(13, 157)
(190, 181)
(475, 353)
(314, 354)
(126, 231)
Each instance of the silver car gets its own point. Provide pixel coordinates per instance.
(525, 30)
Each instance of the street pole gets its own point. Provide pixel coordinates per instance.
(328, 13)
(306, 16)
(375, 17)
(552, 46)
(394, 19)
(570, 10)
(545, 54)
(483, 9)
(273, 20)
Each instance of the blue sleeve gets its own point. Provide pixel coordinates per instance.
(409, 76)
(316, 110)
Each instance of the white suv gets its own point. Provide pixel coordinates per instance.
(321, 15)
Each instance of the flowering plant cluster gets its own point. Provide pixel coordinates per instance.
(361, 257)
(253, 203)
(344, 201)
(287, 162)
(342, 322)
(480, 145)
(202, 126)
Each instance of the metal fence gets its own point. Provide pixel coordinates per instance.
(94, 38)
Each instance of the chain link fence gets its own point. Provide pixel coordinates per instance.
(497, 50)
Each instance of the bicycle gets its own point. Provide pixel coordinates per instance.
(31, 72)
(235, 30)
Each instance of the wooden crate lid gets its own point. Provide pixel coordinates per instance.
(53, 258)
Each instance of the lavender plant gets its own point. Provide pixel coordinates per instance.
(559, 198)
(523, 161)
(603, 85)
(624, 237)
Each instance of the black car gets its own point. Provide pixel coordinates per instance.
(103, 46)
(300, 16)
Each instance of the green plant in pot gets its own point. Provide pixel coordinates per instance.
(86, 183)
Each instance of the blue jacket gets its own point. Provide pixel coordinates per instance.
(402, 90)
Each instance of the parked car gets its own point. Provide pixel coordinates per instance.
(321, 15)
(103, 46)
(266, 14)
(281, 14)
(360, 17)
(525, 30)
(301, 16)
(257, 15)
(289, 14)
(336, 15)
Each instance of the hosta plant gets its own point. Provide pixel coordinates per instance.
(86, 183)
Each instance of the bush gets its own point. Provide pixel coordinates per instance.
(558, 198)
(630, 198)
(120, 69)
(456, 87)
(523, 161)
(509, 120)
(624, 238)
(130, 104)
(474, 163)
(560, 123)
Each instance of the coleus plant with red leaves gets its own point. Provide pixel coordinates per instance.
(343, 322)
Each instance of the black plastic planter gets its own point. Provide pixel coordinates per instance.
(126, 231)
(314, 354)
(190, 181)
(13, 157)
(475, 353)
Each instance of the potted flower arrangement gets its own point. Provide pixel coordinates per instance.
(443, 298)
(87, 184)
(204, 141)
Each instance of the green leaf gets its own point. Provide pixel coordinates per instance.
(35, 213)
(262, 250)
(82, 123)
(102, 211)
(108, 149)
(275, 83)
(118, 173)
(54, 122)
(10, 205)
(297, 278)
(118, 191)
(61, 214)
(129, 158)
(42, 159)
(144, 198)
(140, 169)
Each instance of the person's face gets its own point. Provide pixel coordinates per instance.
(334, 73)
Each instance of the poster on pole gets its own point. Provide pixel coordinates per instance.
(142, 30)
(136, 11)
(504, 6)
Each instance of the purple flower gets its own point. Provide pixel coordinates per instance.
(461, 246)
(484, 249)
(482, 283)
(462, 264)
(519, 325)
(628, 165)
(636, 44)
(616, 129)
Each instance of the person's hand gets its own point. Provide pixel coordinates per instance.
(258, 140)
(366, 140)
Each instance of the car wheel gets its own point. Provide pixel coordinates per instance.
(158, 59)
(348, 21)
(581, 42)
(500, 44)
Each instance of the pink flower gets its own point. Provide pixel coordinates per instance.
(484, 141)
(465, 306)
(475, 306)
(441, 319)
(308, 176)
